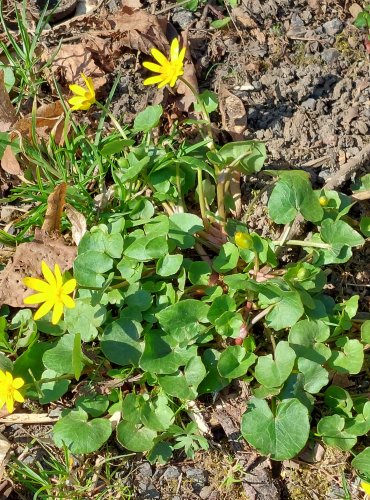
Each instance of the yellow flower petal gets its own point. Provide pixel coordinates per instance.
(153, 80)
(69, 286)
(89, 84)
(164, 82)
(9, 404)
(48, 274)
(159, 57)
(37, 284)
(68, 301)
(366, 487)
(8, 378)
(57, 312)
(77, 99)
(17, 396)
(174, 49)
(77, 90)
(36, 298)
(182, 56)
(156, 68)
(43, 310)
(82, 105)
(18, 383)
(58, 276)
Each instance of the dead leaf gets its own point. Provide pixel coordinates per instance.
(78, 221)
(140, 30)
(354, 10)
(233, 114)
(55, 206)
(234, 121)
(361, 195)
(242, 17)
(7, 112)
(9, 162)
(49, 120)
(187, 98)
(71, 61)
(27, 262)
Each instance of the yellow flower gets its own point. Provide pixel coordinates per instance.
(366, 487)
(9, 390)
(53, 292)
(169, 70)
(84, 97)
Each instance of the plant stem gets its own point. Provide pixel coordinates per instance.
(312, 244)
(202, 201)
(178, 185)
(113, 119)
(262, 314)
(204, 111)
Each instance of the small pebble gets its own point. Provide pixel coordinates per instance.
(309, 103)
(330, 55)
(333, 27)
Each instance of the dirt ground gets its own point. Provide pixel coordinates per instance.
(300, 70)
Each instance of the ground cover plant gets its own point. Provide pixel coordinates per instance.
(151, 293)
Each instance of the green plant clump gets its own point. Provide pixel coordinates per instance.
(176, 299)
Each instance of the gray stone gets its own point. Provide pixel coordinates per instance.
(197, 476)
(309, 103)
(144, 470)
(361, 127)
(333, 27)
(297, 27)
(182, 17)
(171, 473)
(206, 492)
(330, 55)
(55, 412)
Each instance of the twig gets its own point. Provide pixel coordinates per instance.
(348, 168)
(28, 418)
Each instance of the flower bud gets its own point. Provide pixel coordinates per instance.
(243, 240)
(323, 201)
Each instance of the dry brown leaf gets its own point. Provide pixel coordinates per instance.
(78, 221)
(139, 30)
(234, 120)
(55, 206)
(233, 114)
(242, 17)
(72, 60)
(7, 112)
(187, 98)
(27, 262)
(49, 120)
(9, 162)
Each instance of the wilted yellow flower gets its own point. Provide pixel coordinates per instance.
(9, 390)
(366, 487)
(84, 97)
(53, 292)
(169, 70)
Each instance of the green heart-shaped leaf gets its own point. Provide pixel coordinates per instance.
(272, 372)
(80, 435)
(281, 436)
